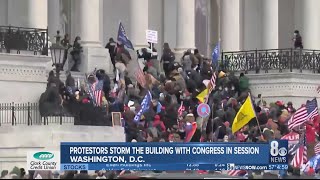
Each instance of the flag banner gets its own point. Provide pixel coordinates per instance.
(174, 156)
(244, 115)
(304, 114)
(203, 95)
(293, 142)
(144, 106)
(123, 38)
(212, 83)
(216, 54)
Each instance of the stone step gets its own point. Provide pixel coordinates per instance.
(14, 153)
(13, 159)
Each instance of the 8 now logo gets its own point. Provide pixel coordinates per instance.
(279, 152)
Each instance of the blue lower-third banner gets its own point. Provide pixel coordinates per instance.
(174, 156)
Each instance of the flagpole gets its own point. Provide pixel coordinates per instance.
(118, 32)
(255, 113)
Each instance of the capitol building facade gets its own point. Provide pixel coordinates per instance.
(239, 24)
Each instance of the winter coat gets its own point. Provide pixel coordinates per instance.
(243, 83)
(187, 62)
(159, 124)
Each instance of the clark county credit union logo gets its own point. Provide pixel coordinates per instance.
(43, 155)
(43, 160)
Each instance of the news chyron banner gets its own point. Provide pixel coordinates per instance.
(174, 156)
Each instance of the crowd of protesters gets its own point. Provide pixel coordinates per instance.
(172, 114)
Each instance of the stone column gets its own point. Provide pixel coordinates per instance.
(270, 24)
(139, 23)
(54, 18)
(310, 33)
(185, 27)
(38, 14)
(231, 25)
(94, 54)
(89, 29)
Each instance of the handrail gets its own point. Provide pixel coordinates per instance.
(264, 60)
(18, 27)
(23, 39)
(267, 50)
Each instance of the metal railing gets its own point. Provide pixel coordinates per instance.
(23, 39)
(28, 114)
(271, 59)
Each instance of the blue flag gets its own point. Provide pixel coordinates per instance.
(216, 54)
(144, 106)
(122, 37)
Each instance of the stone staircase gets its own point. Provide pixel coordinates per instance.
(16, 141)
(15, 156)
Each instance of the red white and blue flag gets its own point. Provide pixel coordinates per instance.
(300, 157)
(312, 108)
(303, 114)
(234, 172)
(212, 83)
(317, 148)
(97, 92)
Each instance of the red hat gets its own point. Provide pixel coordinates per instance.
(279, 103)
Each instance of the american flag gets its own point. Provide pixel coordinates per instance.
(212, 83)
(312, 108)
(97, 92)
(293, 142)
(181, 109)
(140, 77)
(317, 148)
(300, 157)
(303, 114)
(234, 172)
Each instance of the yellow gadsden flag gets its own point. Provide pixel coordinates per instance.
(244, 115)
(203, 95)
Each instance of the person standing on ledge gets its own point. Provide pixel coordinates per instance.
(76, 54)
(111, 46)
(297, 39)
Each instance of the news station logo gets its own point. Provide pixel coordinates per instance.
(279, 152)
(43, 160)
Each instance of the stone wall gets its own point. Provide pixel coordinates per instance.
(22, 77)
(16, 141)
(286, 86)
